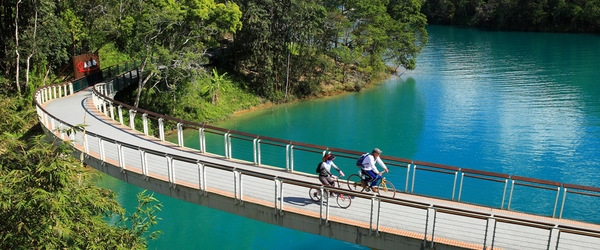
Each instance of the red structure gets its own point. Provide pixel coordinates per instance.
(85, 64)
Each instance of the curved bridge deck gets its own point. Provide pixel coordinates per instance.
(280, 195)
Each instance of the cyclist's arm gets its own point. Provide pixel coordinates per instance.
(380, 162)
(336, 168)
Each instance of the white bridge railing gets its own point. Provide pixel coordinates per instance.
(432, 223)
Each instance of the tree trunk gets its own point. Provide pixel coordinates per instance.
(17, 47)
(32, 51)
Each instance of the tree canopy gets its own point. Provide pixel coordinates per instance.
(350, 42)
(47, 198)
(518, 15)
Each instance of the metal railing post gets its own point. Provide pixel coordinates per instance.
(489, 233)
(504, 193)
(201, 178)
(227, 143)
(512, 187)
(86, 146)
(145, 123)
(104, 109)
(120, 111)
(462, 179)
(132, 118)
(275, 181)
(281, 197)
(556, 202)
(241, 189)
(325, 195)
(407, 176)
(121, 156)
(414, 175)
(101, 149)
(372, 213)
(291, 158)
(431, 218)
(454, 184)
(553, 238)
(378, 216)
(255, 150)
(170, 170)
(258, 152)
(289, 155)
(495, 223)
(161, 129)
(202, 140)
(180, 134)
(321, 205)
(235, 186)
(112, 110)
(144, 163)
(426, 228)
(562, 206)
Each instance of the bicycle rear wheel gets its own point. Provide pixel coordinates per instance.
(343, 201)
(315, 194)
(386, 188)
(354, 183)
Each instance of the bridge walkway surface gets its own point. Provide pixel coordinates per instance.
(275, 195)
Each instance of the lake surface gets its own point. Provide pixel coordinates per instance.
(517, 103)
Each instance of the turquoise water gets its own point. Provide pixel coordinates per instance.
(524, 104)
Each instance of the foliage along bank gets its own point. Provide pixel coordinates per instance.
(280, 51)
(514, 15)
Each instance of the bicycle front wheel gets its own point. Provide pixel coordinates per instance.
(343, 201)
(386, 188)
(354, 183)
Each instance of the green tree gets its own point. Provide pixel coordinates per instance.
(217, 82)
(333, 38)
(48, 201)
(171, 38)
(32, 43)
(407, 35)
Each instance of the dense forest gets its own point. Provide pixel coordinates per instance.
(517, 15)
(201, 60)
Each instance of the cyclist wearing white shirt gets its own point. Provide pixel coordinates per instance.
(369, 168)
(325, 175)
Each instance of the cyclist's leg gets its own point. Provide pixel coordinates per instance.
(327, 181)
(324, 180)
(373, 176)
(367, 178)
(375, 182)
(330, 183)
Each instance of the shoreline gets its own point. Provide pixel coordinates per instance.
(330, 91)
(333, 91)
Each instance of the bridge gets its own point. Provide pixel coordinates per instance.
(254, 176)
